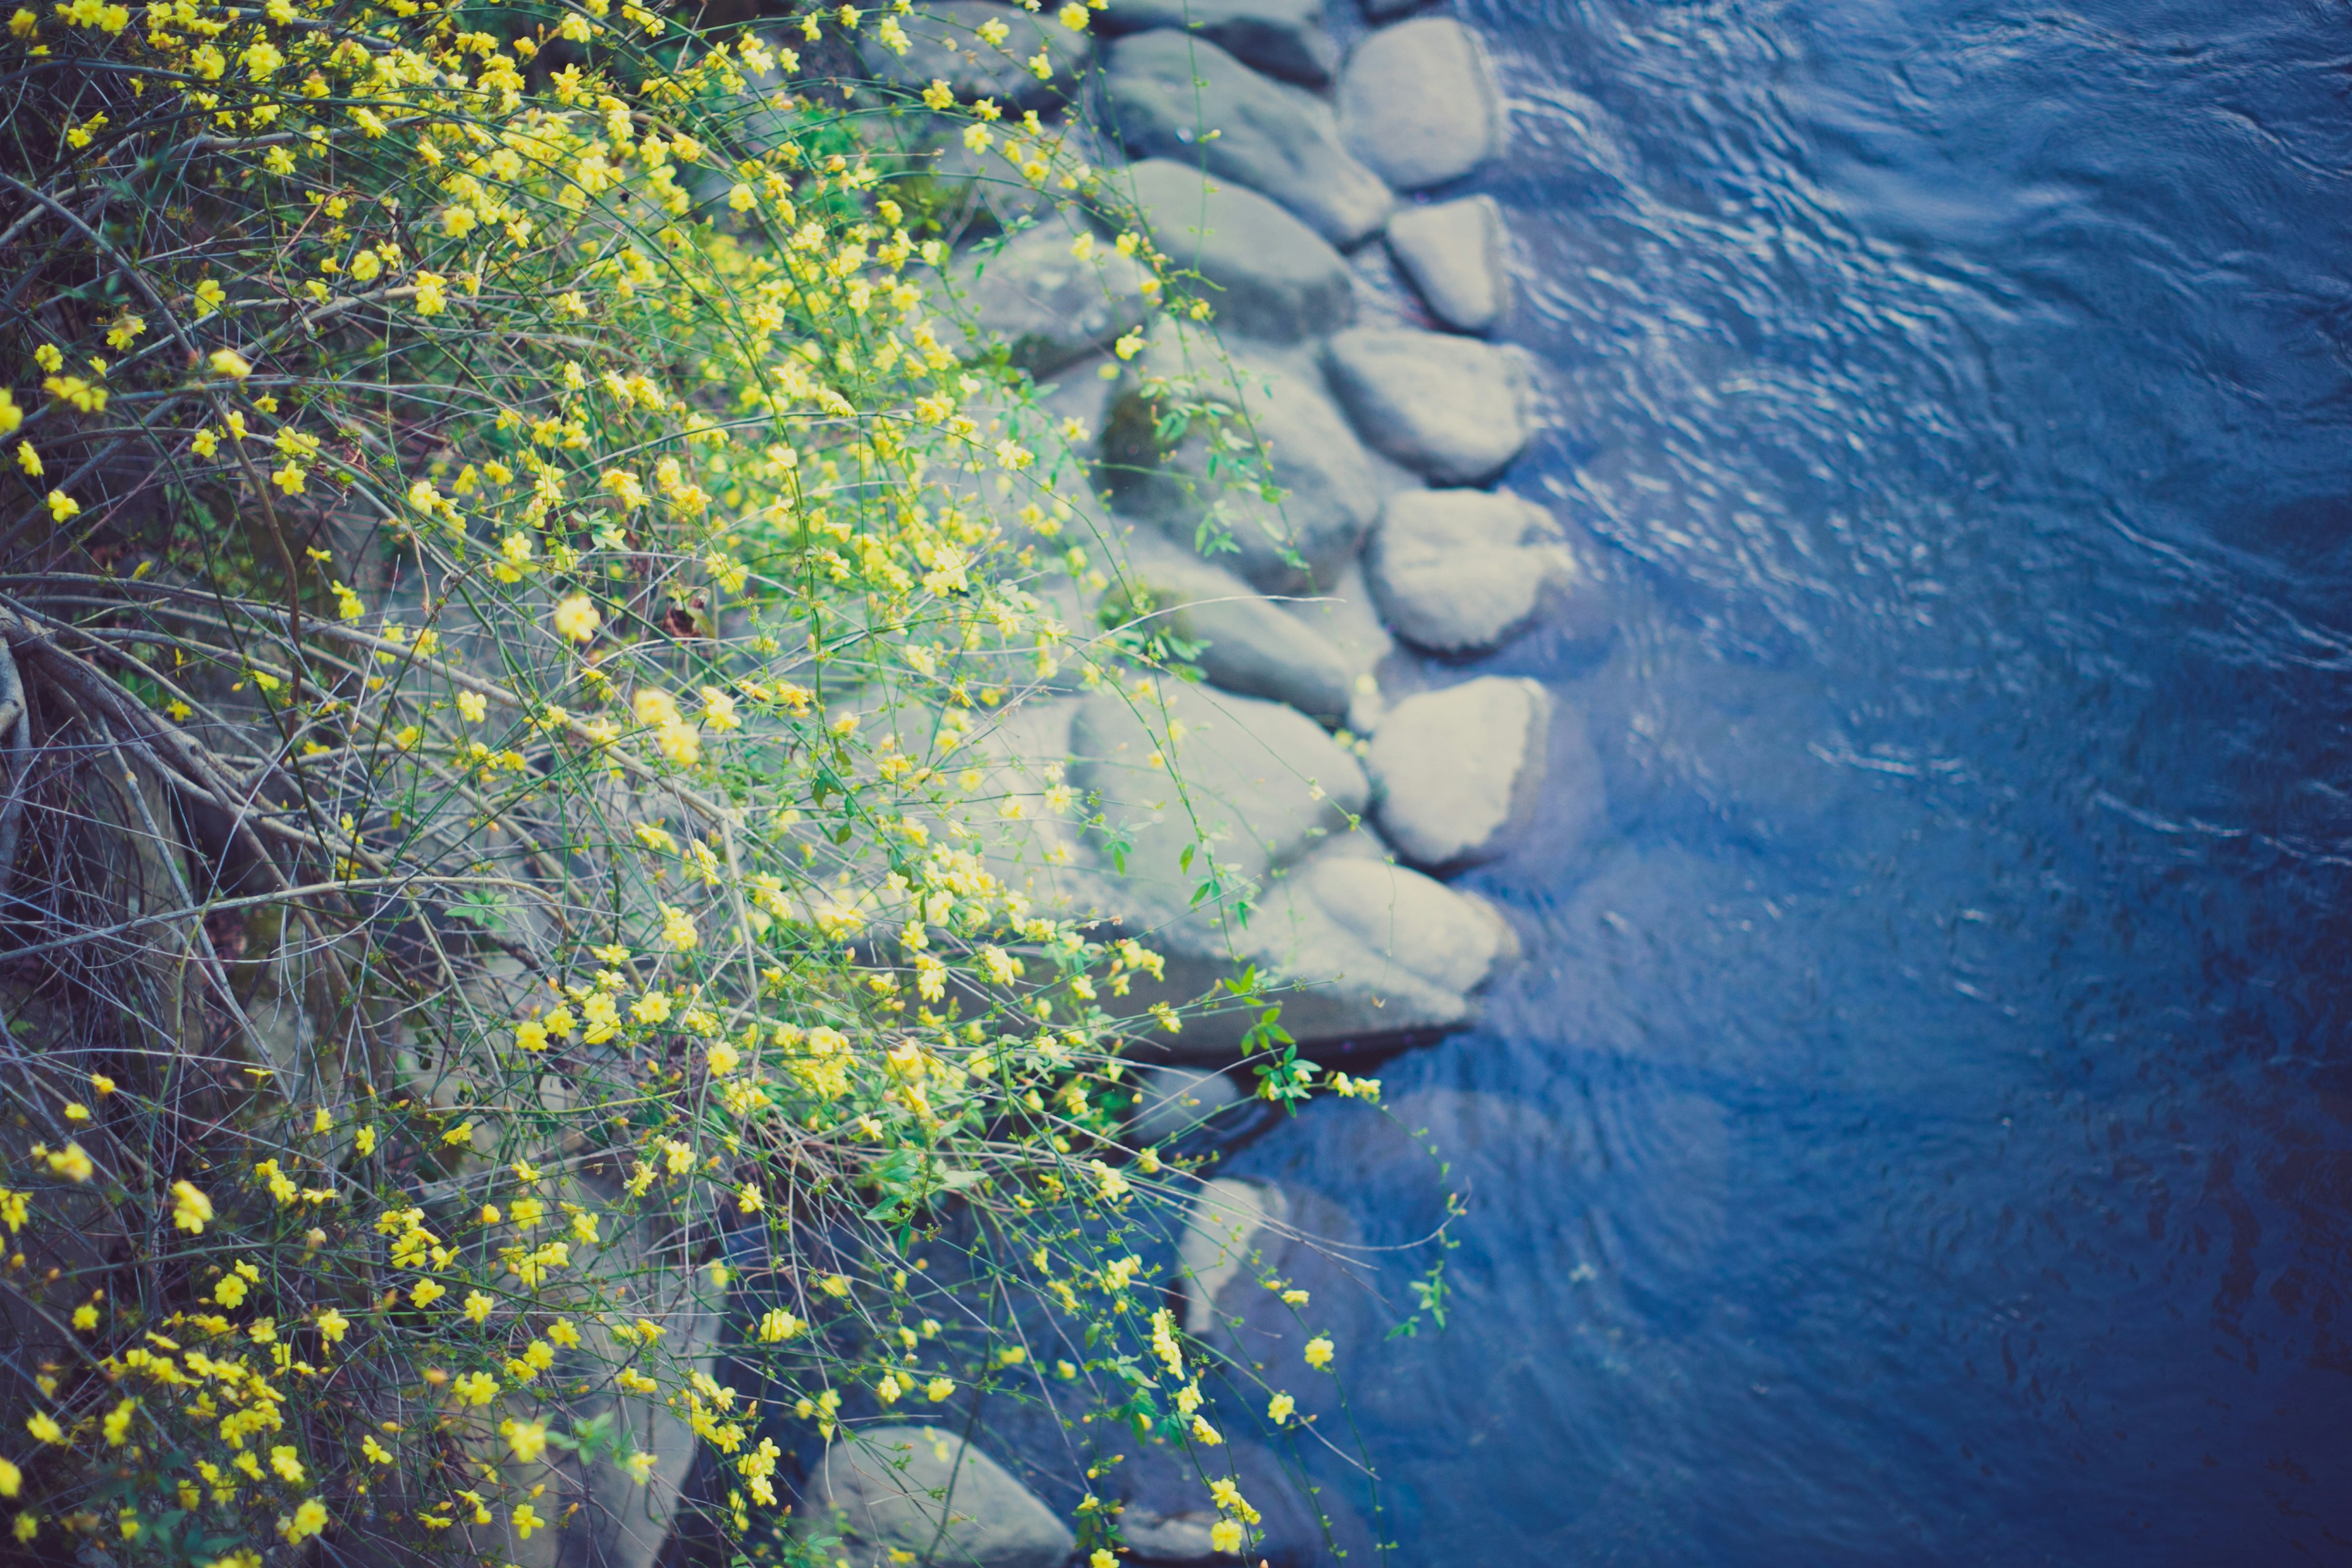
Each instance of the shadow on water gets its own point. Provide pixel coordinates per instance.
(1922, 1130)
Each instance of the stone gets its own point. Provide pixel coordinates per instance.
(876, 1489)
(1272, 277)
(1281, 37)
(1418, 103)
(1304, 444)
(1459, 769)
(1172, 1101)
(1172, 1539)
(1452, 409)
(1168, 92)
(1344, 617)
(946, 47)
(1050, 307)
(1351, 945)
(1453, 253)
(1228, 1221)
(1458, 571)
(1261, 785)
(1250, 645)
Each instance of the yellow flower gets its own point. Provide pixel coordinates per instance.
(576, 618)
(653, 707)
(526, 1439)
(231, 363)
(288, 1466)
(940, 1388)
(332, 1326)
(1318, 1352)
(364, 1141)
(477, 1306)
(677, 927)
(11, 1478)
(526, 1519)
(1226, 1536)
(1075, 18)
(474, 706)
(681, 743)
(230, 1291)
(1205, 1433)
(719, 709)
(309, 1519)
(62, 506)
(1279, 1408)
(27, 1525)
(45, 1427)
(190, 1207)
(210, 295)
(426, 1292)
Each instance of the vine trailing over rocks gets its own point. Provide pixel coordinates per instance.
(511, 557)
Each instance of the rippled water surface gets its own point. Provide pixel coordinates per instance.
(1922, 1131)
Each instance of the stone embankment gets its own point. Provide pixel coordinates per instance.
(1317, 771)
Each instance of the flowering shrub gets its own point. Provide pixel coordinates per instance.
(504, 587)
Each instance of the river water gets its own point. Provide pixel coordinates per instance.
(1922, 1130)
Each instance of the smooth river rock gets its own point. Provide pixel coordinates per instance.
(1352, 946)
(947, 47)
(1457, 571)
(1273, 277)
(1454, 252)
(1458, 769)
(878, 1492)
(1281, 37)
(1453, 409)
(1230, 1220)
(1050, 307)
(1251, 646)
(1254, 784)
(1418, 103)
(1288, 431)
(1172, 1101)
(1176, 96)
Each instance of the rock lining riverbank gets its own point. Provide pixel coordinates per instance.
(1330, 784)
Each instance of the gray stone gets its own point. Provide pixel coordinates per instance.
(1353, 946)
(947, 47)
(1271, 276)
(1181, 97)
(1459, 769)
(1171, 1539)
(1049, 306)
(1344, 617)
(1248, 784)
(1281, 37)
(1172, 1101)
(1453, 409)
(1250, 647)
(1453, 253)
(1459, 570)
(1229, 1223)
(1418, 103)
(922, 1490)
(1281, 428)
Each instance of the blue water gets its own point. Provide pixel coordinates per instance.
(1922, 1130)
